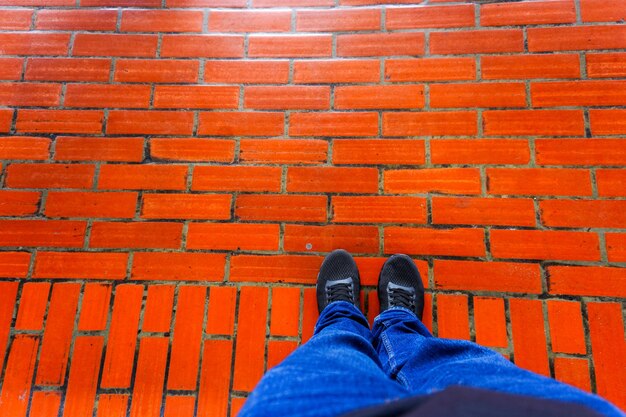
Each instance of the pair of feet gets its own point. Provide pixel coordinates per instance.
(399, 283)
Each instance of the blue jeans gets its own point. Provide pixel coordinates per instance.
(345, 366)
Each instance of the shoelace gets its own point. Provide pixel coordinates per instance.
(340, 292)
(402, 298)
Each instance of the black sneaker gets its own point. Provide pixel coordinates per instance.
(400, 285)
(338, 280)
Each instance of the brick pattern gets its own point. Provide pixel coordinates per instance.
(173, 172)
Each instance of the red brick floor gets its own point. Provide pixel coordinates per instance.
(172, 173)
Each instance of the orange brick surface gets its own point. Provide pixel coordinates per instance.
(172, 174)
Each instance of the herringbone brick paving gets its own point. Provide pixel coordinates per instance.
(173, 172)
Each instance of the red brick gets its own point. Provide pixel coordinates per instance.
(104, 95)
(143, 177)
(45, 403)
(33, 304)
(488, 211)
(30, 94)
(477, 95)
(533, 122)
(60, 121)
(94, 310)
(520, 67)
(587, 280)
(490, 322)
(68, 69)
(42, 233)
(13, 265)
(420, 241)
(15, 19)
(566, 327)
(545, 244)
(83, 376)
(430, 69)
(215, 377)
(90, 204)
(606, 328)
(161, 21)
(379, 209)
(221, 312)
(285, 314)
(180, 406)
(80, 265)
(437, 180)
(204, 3)
(608, 122)
(185, 354)
(241, 124)
(380, 44)
(169, 266)
(276, 151)
(479, 151)
(333, 124)
(539, 181)
(57, 337)
(528, 13)
(356, 239)
(36, 3)
(253, 72)
(379, 97)
(149, 379)
(529, 340)
(573, 371)
(476, 42)
(576, 38)
(150, 122)
(200, 150)
(579, 93)
(138, 235)
(583, 213)
(112, 405)
(156, 71)
(11, 68)
(452, 316)
(616, 246)
(287, 46)
(309, 314)
(309, 208)
(507, 277)
(120, 353)
(95, 44)
(293, 269)
(250, 21)
(601, 11)
(50, 176)
(336, 71)
(186, 206)
(18, 375)
(580, 151)
(277, 98)
(429, 17)
(291, 3)
(200, 97)
(278, 350)
(7, 305)
(332, 179)
(606, 65)
(158, 311)
(378, 151)
(239, 178)
(93, 20)
(334, 20)
(430, 123)
(249, 352)
(232, 236)
(202, 46)
(72, 148)
(18, 203)
(34, 43)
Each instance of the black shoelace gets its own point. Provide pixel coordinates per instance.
(402, 298)
(340, 292)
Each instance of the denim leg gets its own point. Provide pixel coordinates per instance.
(425, 364)
(335, 372)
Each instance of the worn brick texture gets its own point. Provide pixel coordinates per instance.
(172, 173)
